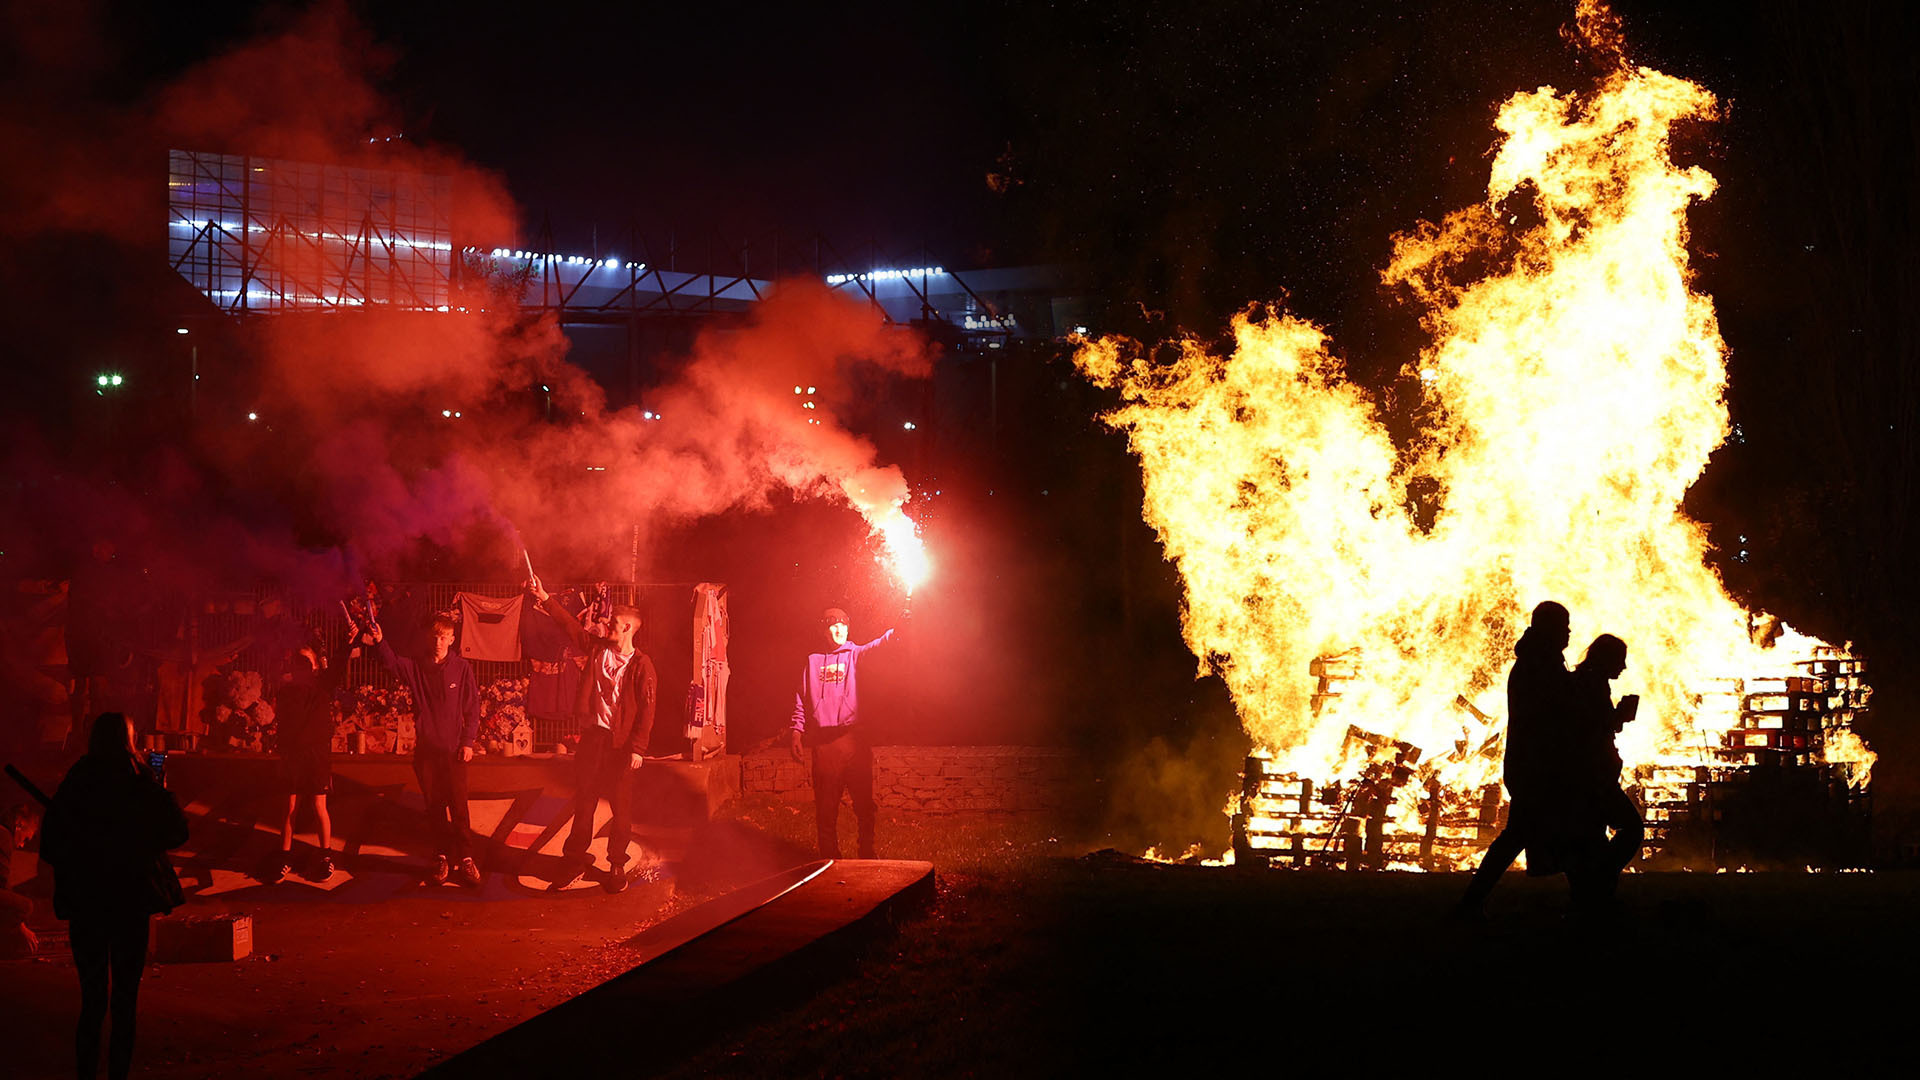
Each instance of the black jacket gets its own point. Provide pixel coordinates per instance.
(632, 724)
(107, 837)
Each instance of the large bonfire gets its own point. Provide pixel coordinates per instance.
(1572, 391)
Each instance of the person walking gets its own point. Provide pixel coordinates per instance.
(1603, 811)
(446, 711)
(106, 837)
(1538, 699)
(826, 717)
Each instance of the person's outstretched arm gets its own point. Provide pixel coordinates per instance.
(887, 638)
(402, 666)
(576, 634)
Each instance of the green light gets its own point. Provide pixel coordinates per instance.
(116, 380)
(102, 380)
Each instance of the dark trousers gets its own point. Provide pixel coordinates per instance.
(603, 772)
(842, 761)
(443, 783)
(1597, 877)
(110, 951)
(1500, 855)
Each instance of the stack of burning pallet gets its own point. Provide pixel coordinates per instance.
(1287, 821)
(1762, 794)
(1767, 793)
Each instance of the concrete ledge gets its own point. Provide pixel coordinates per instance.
(711, 968)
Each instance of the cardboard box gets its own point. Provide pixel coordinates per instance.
(185, 939)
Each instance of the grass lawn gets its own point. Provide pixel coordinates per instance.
(1037, 961)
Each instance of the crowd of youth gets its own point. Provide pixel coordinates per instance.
(111, 822)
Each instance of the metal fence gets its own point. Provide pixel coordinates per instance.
(265, 624)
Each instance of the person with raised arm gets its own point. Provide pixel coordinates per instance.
(614, 708)
(826, 717)
(446, 710)
(303, 710)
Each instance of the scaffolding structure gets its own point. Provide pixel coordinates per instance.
(259, 235)
(262, 235)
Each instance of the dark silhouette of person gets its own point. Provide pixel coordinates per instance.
(303, 709)
(106, 837)
(1538, 695)
(1597, 801)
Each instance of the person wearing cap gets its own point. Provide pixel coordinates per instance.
(826, 717)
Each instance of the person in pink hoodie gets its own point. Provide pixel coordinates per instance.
(826, 717)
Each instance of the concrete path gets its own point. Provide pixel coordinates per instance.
(709, 969)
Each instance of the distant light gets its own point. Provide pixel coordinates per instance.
(117, 380)
(909, 425)
(456, 415)
(446, 413)
(253, 416)
(796, 389)
(182, 330)
(612, 263)
(103, 380)
(646, 415)
(809, 389)
(543, 386)
(1079, 329)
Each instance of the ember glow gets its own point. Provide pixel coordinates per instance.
(1571, 392)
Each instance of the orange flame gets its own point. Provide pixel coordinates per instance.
(881, 497)
(1571, 395)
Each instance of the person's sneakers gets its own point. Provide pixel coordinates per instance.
(469, 873)
(572, 872)
(280, 873)
(616, 880)
(322, 870)
(438, 875)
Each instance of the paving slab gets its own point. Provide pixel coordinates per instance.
(710, 968)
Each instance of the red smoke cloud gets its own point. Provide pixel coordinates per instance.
(367, 392)
(352, 446)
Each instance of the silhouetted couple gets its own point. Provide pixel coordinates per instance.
(1567, 810)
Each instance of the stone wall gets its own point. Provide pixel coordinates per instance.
(933, 778)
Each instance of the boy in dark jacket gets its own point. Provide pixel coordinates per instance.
(106, 838)
(614, 708)
(446, 711)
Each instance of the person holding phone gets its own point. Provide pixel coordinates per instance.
(106, 837)
(1602, 805)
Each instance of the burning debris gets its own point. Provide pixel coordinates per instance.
(1360, 594)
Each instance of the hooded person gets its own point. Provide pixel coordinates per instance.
(1603, 824)
(303, 712)
(826, 717)
(446, 710)
(1538, 699)
(106, 837)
